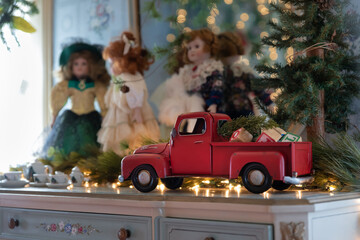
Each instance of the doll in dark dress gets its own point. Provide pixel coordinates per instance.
(83, 78)
(239, 96)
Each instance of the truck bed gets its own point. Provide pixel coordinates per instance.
(298, 155)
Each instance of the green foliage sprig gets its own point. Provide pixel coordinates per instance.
(337, 164)
(8, 16)
(253, 124)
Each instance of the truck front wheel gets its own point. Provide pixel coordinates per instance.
(144, 178)
(256, 178)
(173, 182)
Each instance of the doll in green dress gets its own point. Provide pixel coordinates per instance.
(83, 78)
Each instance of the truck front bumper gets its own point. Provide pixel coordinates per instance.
(121, 178)
(298, 180)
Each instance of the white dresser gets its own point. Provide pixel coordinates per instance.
(204, 214)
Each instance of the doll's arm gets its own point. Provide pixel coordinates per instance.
(135, 100)
(100, 91)
(58, 98)
(216, 91)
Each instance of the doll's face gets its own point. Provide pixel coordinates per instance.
(195, 51)
(80, 67)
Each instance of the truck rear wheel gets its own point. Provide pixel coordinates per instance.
(173, 182)
(280, 185)
(256, 178)
(144, 178)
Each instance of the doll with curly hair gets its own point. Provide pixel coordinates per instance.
(199, 84)
(239, 95)
(83, 78)
(129, 117)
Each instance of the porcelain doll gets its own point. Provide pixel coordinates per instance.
(129, 116)
(83, 78)
(239, 96)
(199, 84)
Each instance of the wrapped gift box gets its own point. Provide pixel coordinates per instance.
(290, 137)
(274, 133)
(265, 138)
(241, 135)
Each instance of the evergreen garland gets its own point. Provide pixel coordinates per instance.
(253, 124)
(8, 16)
(337, 165)
(302, 79)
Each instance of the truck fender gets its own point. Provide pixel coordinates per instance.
(273, 161)
(158, 162)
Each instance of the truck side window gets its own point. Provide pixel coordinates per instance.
(192, 126)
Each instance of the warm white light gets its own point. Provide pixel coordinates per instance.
(264, 11)
(266, 195)
(86, 184)
(131, 186)
(299, 194)
(273, 56)
(332, 188)
(195, 187)
(210, 20)
(264, 34)
(231, 186)
(181, 12)
(244, 17)
(227, 193)
(162, 187)
(206, 181)
(214, 12)
(207, 193)
(113, 185)
(88, 190)
(170, 37)
(181, 19)
(225, 181)
(240, 25)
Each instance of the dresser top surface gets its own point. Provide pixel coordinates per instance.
(234, 195)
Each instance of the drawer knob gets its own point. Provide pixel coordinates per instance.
(13, 223)
(123, 234)
(209, 238)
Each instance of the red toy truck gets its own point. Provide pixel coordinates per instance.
(196, 149)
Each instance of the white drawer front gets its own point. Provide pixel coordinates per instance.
(51, 225)
(180, 229)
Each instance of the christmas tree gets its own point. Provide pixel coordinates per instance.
(320, 79)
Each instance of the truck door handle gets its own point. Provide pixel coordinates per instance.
(196, 142)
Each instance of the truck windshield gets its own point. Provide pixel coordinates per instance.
(192, 126)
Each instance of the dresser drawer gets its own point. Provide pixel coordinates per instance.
(39, 224)
(180, 229)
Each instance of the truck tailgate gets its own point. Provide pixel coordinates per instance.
(301, 157)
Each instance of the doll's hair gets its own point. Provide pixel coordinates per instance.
(97, 69)
(230, 44)
(127, 55)
(209, 38)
